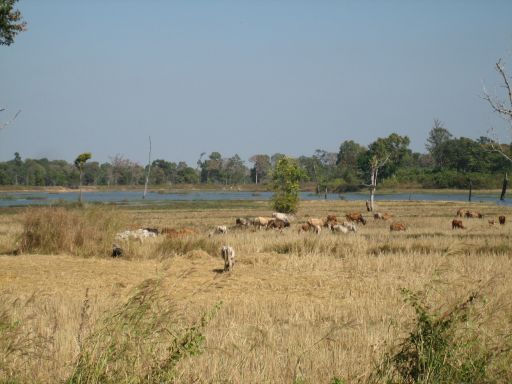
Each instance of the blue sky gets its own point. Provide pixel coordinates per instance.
(246, 77)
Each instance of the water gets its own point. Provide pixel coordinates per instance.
(8, 199)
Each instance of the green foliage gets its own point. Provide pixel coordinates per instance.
(285, 182)
(10, 22)
(434, 351)
(81, 160)
(141, 342)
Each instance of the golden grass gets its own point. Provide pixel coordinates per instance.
(296, 306)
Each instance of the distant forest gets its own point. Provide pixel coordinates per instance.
(449, 162)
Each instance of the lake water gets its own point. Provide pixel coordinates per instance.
(8, 199)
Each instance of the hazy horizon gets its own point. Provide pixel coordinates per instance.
(246, 77)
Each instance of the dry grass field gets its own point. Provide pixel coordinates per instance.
(298, 307)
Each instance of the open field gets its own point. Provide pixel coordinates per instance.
(298, 308)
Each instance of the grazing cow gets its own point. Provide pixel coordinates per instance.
(116, 251)
(378, 216)
(261, 222)
(281, 216)
(277, 224)
(502, 220)
(339, 228)
(316, 222)
(460, 212)
(154, 230)
(397, 227)
(357, 217)
(138, 234)
(491, 222)
(457, 224)
(330, 221)
(304, 227)
(350, 226)
(473, 214)
(220, 230)
(228, 254)
(242, 222)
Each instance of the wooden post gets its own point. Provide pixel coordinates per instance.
(470, 189)
(504, 188)
(325, 196)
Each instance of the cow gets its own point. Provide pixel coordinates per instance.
(501, 220)
(397, 227)
(154, 230)
(304, 227)
(350, 226)
(339, 228)
(117, 251)
(138, 234)
(219, 230)
(382, 216)
(281, 216)
(242, 222)
(457, 224)
(357, 217)
(172, 232)
(277, 224)
(316, 222)
(460, 212)
(261, 222)
(330, 221)
(491, 222)
(473, 214)
(228, 254)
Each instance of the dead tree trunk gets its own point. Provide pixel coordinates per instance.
(504, 188)
(149, 171)
(470, 190)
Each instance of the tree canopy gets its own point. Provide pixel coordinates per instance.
(11, 22)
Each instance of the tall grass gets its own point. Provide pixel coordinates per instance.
(77, 231)
(140, 342)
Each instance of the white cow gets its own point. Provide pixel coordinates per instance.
(228, 254)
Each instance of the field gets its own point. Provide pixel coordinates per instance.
(298, 307)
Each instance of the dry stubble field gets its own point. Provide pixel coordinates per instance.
(298, 308)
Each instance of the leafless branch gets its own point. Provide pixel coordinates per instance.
(7, 123)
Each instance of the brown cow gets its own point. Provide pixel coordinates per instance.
(397, 227)
(473, 214)
(316, 222)
(277, 224)
(457, 224)
(331, 220)
(460, 212)
(382, 216)
(357, 217)
(502, 220)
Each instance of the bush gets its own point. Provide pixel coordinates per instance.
(435, 350)
(78, 231)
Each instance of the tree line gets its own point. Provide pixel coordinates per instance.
(448, 162)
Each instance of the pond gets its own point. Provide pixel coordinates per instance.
(8, 199)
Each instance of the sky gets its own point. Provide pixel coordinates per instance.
(246, 77)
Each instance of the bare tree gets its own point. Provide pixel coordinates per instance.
(502, 106)
(375, 165)
(148, 172)
(8, 122)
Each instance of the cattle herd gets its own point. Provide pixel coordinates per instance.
(280, 221)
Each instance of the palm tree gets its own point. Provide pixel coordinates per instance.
(79, 164)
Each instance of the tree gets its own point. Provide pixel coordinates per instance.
(261, 167)
(11, 22)
(285, 180)
(79, 164)
(502, 106)
(235, 170)
(437, 137)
